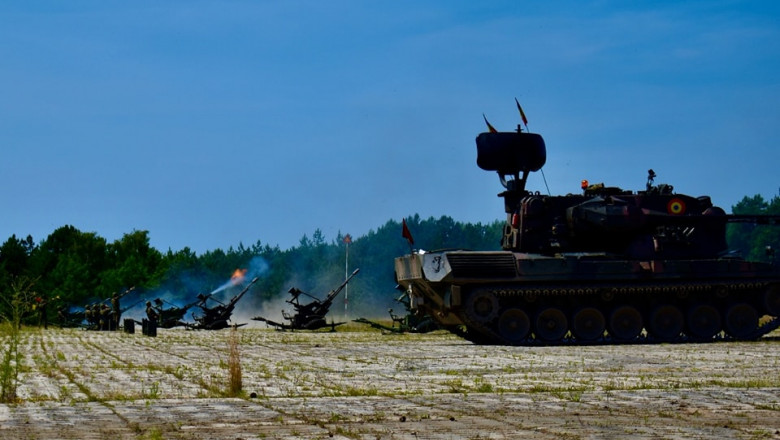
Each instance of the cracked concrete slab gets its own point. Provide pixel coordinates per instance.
(362, 384)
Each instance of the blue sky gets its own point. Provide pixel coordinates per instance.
(214, 123)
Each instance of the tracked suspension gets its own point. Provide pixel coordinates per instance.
(615, 313)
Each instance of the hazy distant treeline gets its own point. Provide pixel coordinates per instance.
(72, 267)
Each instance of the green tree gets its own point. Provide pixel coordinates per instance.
(70, 263)
(751, 240)
(14, 263)
(15, 254)
(131, 262)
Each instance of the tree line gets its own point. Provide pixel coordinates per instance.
(750, 240)
(74, 268)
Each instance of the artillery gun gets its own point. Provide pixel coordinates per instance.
(604, 266)
(68, 318)
(311, 315)
(173, 316)
(413, 321)
(218, 317)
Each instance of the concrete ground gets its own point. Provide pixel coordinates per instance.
(358, 383)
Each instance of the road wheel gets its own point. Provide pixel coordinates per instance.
(588, 324)
(741, 320)
(482, 306)
(514, 325)
(772, 299)
(625, 323)
(666, 322)
(551, 324)
(703, 321)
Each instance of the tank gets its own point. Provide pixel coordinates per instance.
(606, 265)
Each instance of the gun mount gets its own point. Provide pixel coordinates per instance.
(173, 316)
(311, 315)
(604, 266)
(218, 317)
(68, 318)
(413, 321)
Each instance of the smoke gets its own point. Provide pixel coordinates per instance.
(193, 282)
(271, 309)
(257, 268)
(253, 304)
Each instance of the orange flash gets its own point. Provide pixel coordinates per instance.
(238, 276)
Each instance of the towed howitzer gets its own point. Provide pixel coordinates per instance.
(216, 318)
(68, 319)
(309, 316)
(174, 315)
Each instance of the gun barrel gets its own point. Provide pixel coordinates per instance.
(124, 309)
(194, 303)
(332, 295)
(122, 295)
(246, 289)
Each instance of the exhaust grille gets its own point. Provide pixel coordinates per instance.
(482, 265)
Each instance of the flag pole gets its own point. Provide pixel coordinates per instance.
(347, 240)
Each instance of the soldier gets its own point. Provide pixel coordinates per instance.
(40, 306)
(94, 323)
(62, 314)
(88, 315)
(151, 312)
(105, 312)
(116, 312)
(158, 305)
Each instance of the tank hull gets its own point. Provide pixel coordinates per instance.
(514, 298)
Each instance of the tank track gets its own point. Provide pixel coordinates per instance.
(725, 292)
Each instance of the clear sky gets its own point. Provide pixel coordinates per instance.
(214, 123)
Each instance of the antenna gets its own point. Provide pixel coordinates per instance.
(545, 182)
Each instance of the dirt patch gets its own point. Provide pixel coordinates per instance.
(368, 385)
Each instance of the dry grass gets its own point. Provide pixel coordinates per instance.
(234, 364)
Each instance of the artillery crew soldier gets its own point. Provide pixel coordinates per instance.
(116, 312)
(158, 305)
(62, 314)
(40, 306)
(105, 317)
(88, 315)
(151, 313)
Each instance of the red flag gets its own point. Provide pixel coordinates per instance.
(522, 113)
(490, 127)
(406, 234)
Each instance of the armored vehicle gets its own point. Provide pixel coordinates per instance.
(602, 266)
